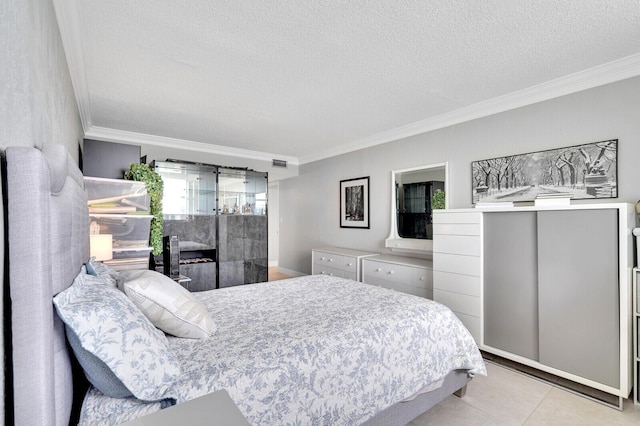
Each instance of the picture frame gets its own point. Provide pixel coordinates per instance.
(354, 203)
(586, 171)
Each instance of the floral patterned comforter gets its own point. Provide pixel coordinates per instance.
(311, 350)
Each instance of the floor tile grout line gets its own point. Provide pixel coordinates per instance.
(555, 385)
(542, 400)
(527, 376)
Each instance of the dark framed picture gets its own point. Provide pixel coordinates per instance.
(354, 203)
(575, 172)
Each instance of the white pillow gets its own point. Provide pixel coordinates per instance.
(168, 305)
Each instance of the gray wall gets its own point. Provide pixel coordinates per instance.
(37, 104)
(309, 203)
(37, 101)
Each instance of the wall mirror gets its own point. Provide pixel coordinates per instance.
(412, 200)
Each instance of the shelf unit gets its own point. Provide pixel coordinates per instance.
(120, 207)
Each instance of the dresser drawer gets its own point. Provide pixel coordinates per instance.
(461, 303)
(349, 261)
(472, 324)
(417, 288)
(457, 264)
(407, 279)
(329, 259)
(440, 217)
(422, 278)
(456, 229)
(457, 283)
(468, 245)
(386, 271)
(322, 269)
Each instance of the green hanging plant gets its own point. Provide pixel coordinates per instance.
(144, 173)
(437, 201)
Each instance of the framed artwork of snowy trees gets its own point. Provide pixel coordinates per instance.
(354, 203)
(576, 172)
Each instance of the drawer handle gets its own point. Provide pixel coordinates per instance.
(421, 278)
(322, 258)
(331, 260)
(391, 272)
(349, 264)
(378, 269)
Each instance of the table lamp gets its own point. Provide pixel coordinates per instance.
(101, 246)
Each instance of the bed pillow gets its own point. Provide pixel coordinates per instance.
(110, 327)
(97, 372)
(168, 305)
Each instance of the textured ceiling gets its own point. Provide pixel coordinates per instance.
(303, 79)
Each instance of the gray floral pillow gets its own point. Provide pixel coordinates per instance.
(112, 328)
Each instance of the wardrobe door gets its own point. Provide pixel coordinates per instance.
(231, 248)
(510, 282)
(578, 293)
(243, 250)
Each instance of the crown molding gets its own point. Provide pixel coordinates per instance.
(122, 136)
(69, 28)
(611, 72)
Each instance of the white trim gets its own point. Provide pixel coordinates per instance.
(67, 17)
(600, 75)
(412, 245)
(273, 222)
(122, 136)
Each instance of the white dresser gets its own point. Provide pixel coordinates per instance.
(545, 286)
(457, 265)
(405, 274)
(339, 262)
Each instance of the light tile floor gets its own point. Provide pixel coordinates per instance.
(506, 397)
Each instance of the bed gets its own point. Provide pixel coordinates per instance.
(309, 350)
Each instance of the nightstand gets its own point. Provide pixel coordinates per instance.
(216, 408)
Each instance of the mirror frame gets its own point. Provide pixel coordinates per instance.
(412, 245)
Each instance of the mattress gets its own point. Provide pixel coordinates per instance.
(311, 350)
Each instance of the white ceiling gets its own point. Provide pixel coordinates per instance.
(302, 80)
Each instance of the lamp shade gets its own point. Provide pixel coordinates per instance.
(101, 246)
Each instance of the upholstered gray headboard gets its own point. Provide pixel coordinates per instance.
(48, 241)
